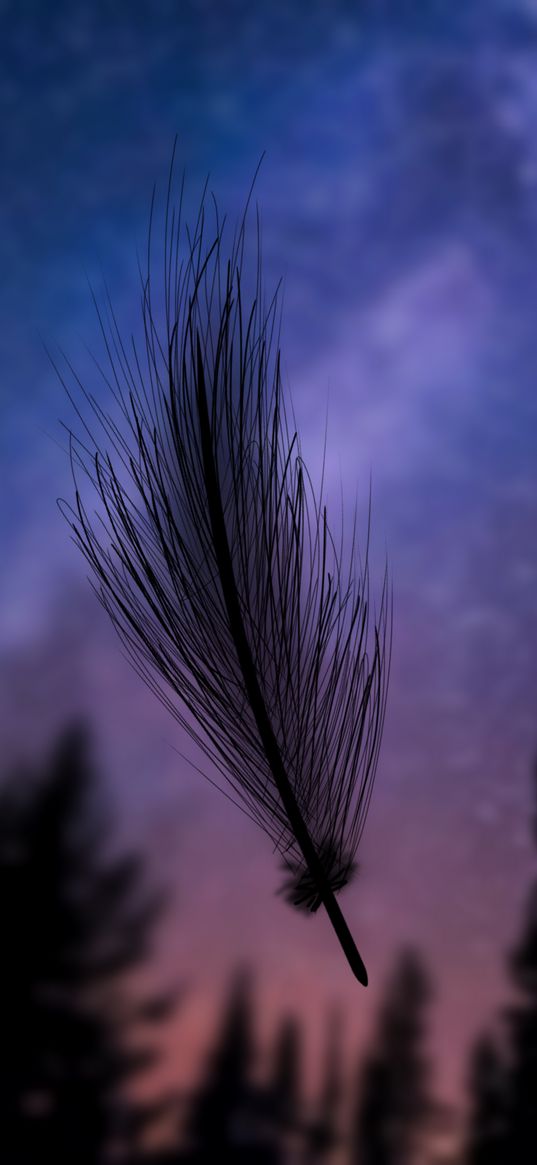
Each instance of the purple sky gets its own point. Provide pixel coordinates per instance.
(399, 201)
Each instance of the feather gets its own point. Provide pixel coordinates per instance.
(210, 549)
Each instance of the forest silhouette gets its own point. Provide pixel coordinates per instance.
(78, 1035)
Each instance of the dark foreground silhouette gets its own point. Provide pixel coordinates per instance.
(503, 1079)
(78, 920)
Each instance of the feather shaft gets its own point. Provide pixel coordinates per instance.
(251, 683)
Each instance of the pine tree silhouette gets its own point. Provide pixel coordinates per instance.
(371, 1144)
(75, 923)
(229, 1119)
(394, 1097)
(284, 1092)
(487, 1085)
(522, 1022)
(323, 1130)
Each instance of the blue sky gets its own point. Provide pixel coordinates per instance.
(398, 197)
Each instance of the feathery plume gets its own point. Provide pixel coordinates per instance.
(212, 553)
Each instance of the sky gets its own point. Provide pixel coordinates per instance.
(398, 195)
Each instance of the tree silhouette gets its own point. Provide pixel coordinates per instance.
(371, 1145)
(323, 1132)
(522, 1022)
(229, 1118)
(76, 923)
(503, 1124)
(394, 1095)
(522, 1137)
(284, 1100)
(487, 1083)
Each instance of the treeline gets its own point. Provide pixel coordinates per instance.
(77, 1036)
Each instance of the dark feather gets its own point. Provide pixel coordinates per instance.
(212, 553)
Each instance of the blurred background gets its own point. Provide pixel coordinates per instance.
(158, 1000)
